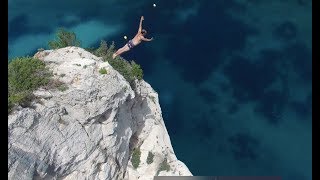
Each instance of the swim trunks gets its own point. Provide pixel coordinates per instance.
(130, 44)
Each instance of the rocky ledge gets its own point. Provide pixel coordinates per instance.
(91, 130)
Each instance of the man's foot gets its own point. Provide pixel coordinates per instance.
(114, 55)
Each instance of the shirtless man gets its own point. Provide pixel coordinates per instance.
(135, 41)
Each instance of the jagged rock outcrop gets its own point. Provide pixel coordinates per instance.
(89, 130)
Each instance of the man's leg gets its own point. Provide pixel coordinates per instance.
(116, 53)
(125, 48)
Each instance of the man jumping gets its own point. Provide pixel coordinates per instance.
(135, 41)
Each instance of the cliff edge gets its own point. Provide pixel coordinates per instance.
(98, 128)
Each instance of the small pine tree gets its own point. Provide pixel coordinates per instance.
(64, 39)
(102, 50)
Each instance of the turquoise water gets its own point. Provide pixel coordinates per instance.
(233, 77)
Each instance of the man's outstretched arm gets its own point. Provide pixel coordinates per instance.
(140, 25)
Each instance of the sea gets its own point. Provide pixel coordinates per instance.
(234, 77)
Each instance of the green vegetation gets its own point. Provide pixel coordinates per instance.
(25, 74)
(150, 157)
(135, 159)
(136, 70)
(21, 98)
(103, 71)
(102, 50)
(62, 75)
(164, 166)
(130, 71)
(90, 49)
(64, 39)
(62, 87)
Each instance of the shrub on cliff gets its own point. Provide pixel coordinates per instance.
(164, 166)
(104, 50)
(25, 74)
(103, 71)
(136, 70)
(122, 66)
(150, 157)
(129, 70)
(135, 159)
(64, 39)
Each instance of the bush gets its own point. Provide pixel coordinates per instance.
(110, 50)
(135, 158)
(62, 87)
(130, 71)
(103, 71)
(123, 67)
(105, 51)
(64, 39)
(164, 166)
(21, 98)
(102, 50)
(136, 70)
(90, 49)
(150, 157)
(25, 74)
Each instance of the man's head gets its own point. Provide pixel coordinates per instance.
(143, 32)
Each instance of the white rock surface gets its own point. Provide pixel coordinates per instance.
(89, 130)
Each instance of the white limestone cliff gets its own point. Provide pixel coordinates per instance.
(89, 130)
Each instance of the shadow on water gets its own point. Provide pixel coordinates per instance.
(249, 79)
(301, 58)
(201, 40)
(210, 97)
(21, 25)
(17, 26)
(272, 105)
(244, 146)
(285, 31)
(172, 118)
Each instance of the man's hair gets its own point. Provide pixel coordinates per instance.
(143, 31)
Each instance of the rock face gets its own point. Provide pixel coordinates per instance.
(89, 131)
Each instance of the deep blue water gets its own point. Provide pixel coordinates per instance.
(233, 77)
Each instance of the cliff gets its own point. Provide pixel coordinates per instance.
(91, 130)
